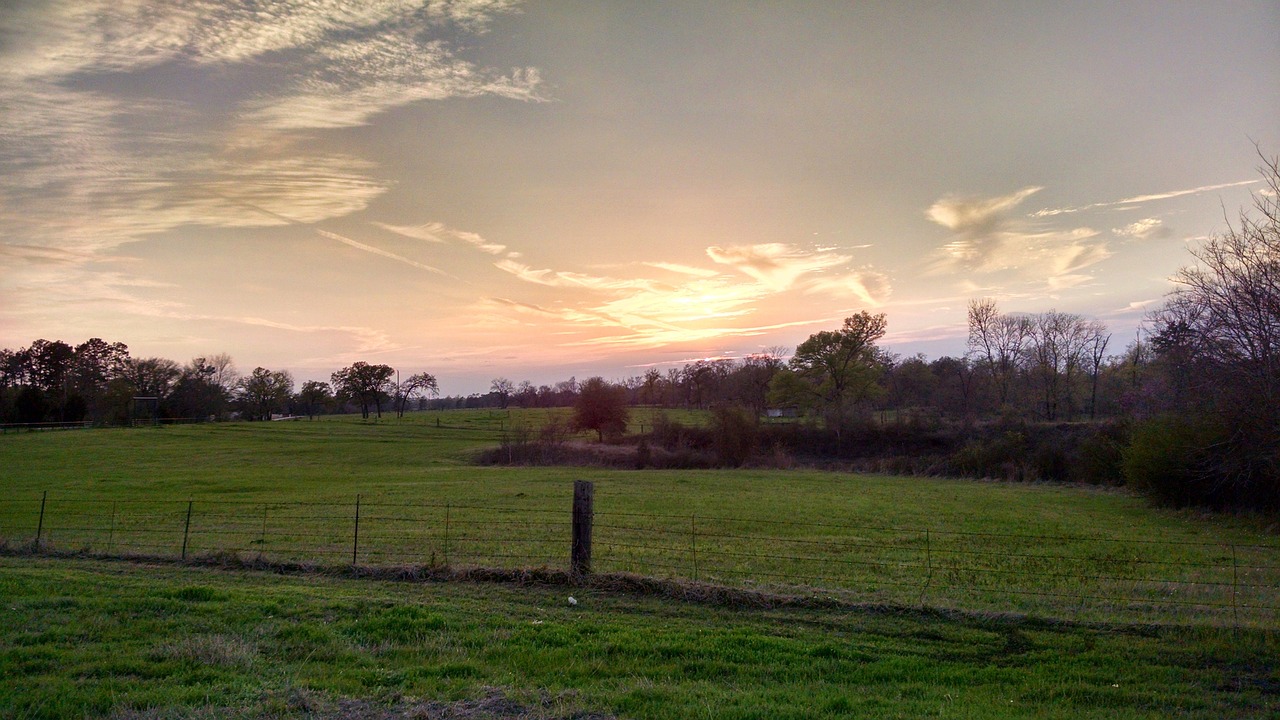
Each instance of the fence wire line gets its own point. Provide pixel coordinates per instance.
(313, 528)
(685, 518)
(906, 530)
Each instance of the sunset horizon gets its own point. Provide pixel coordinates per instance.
(552, 189)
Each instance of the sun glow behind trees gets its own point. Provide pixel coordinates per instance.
(194, 181)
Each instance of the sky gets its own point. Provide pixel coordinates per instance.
(537, 190)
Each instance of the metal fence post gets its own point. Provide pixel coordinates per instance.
(40, 526)
(446, 528)
(355, 543)
(111, 536)
(928, 562)
(583, 514)
(693, 543)
(262, 541)
(1235, 589)
(186, 531)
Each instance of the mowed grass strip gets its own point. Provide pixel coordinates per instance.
(92, 638)
(288, 491)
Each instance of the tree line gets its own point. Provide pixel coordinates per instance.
(1048, 366)
(51, 381)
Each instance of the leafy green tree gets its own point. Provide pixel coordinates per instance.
(314, 395)
(96, 364)
(151, 377)
(199, 393)
(835, 370)
(50, 365)
(366, 384)
(264, 391)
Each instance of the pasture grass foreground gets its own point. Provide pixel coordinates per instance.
(96, 638)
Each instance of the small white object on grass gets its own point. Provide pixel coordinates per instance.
(572, 601)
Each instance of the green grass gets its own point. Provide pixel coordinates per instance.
(287, 491)
(93, 637)
(89, 638)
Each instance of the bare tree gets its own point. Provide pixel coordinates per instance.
(526, 394)
(223, 372)
(1057, 347)
(1219, 335)
(1231, 297)
(411, 386)
(1096, 340)
(999, 340)
(651, 387)
(504, 389)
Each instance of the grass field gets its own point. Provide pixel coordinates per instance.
(288, 491)
(1067, 556)
(93, 637)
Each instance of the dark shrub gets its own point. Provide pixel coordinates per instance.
(643, 455)
(734, 432)
(1167, 458)
(1002, 456)
(1048, 461)
(1099, 455)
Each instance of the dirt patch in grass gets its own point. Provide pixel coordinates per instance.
(297, 703)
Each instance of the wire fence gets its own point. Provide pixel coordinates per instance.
(6, 428)
(1069, 577)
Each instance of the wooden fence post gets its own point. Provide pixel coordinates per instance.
(580, 557)
(40, 526)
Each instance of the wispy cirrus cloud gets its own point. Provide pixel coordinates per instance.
(127, 119)
(63, 36)
(646, 338)
(353, 81)
(84, 163)
(1139, 199)
(704, 303)
(989, 236)
(683, 269)
(868, 285)
(781, 267)
(379, 252)
(40, 282)
(436, 232)
(977, 217)
(776, 265)
(1144, 229)
(568, 279)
